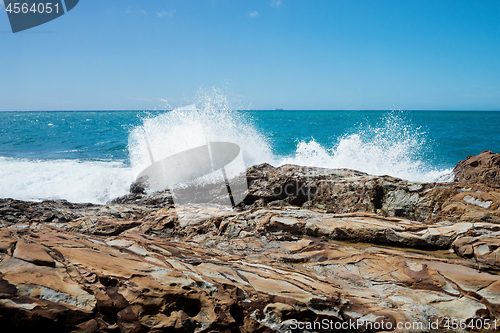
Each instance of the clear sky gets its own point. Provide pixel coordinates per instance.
(290, 54)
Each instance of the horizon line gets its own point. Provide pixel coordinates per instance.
(325, 110)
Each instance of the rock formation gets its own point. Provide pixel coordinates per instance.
(483, 168)
(309, 249)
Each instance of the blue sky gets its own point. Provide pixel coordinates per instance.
(318, 55)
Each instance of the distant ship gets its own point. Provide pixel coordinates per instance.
(278, 109)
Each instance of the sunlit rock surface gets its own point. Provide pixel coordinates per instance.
(483, 168)
(307, 245)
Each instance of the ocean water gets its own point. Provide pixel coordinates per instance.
(93, 156)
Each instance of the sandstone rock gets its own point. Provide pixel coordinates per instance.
(483, 168)
(33, 253)
(484, 250)
(306, 245)
(7, 242)
(348, 191)
(248, 271)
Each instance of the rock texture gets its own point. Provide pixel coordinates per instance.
(348, 191)
(483, 168)
(307, 245)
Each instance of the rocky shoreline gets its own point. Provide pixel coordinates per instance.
(307, 245)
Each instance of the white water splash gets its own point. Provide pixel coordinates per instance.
(210, 119)
(393, 148)
(72, 180)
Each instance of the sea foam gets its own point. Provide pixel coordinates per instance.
(393, 147)
(210, 119)
(72, 180)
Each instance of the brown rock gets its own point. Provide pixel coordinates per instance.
(483, 168)
(249, 271)
(33, 253)
(7, 242)
(484, 250)
(308, 245)
(347, 191)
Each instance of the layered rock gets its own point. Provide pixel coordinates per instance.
(483, 168)
(251, 271)
(347, 191)
(306, 245)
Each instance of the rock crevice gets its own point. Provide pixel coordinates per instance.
(306, 245)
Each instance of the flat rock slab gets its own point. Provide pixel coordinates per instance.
(307, 244)
(33, 253)
(249, 271)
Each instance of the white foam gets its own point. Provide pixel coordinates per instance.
(210, 119)
(393, 149)
(73, 180)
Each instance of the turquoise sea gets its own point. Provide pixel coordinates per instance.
(93, 156)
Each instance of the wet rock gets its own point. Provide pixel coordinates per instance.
(335, 190)
(343, 191)
(139, 186)
(154, 200)
(19, 212)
